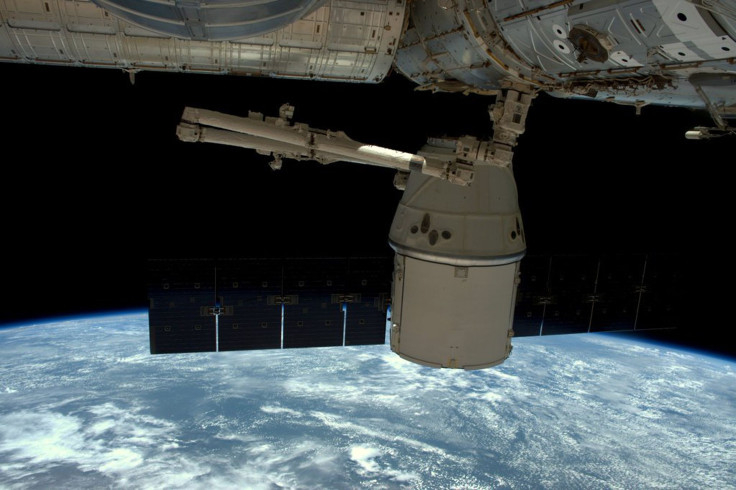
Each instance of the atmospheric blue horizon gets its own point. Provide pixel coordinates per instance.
(83, 404)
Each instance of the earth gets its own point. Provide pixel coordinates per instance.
(84, 405)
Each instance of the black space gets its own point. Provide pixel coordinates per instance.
(95, 183)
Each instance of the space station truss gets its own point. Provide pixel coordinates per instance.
(246, 304)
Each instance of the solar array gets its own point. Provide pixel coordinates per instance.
(579, 294)
(242, 304)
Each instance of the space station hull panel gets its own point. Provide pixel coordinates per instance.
(207, 20)
(631, 52)
(351, 41)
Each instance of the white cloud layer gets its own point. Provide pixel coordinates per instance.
(568, 411)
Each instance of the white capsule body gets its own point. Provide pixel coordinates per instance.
(456, 270)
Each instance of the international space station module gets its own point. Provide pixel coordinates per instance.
(457, 234)
(636, 52)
